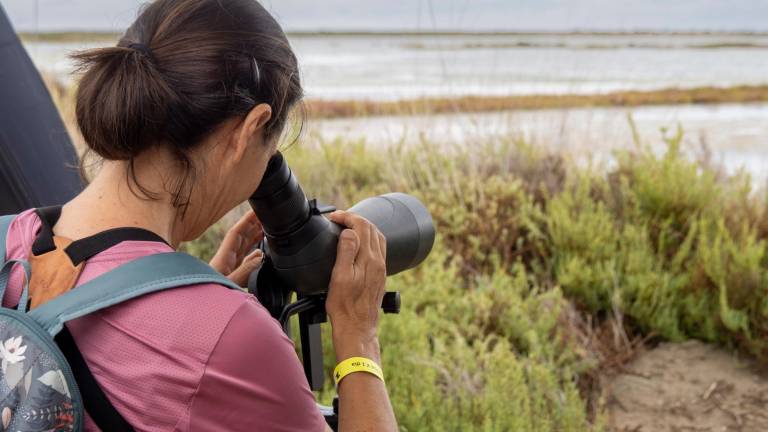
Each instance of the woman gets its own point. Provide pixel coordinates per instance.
(185, 112)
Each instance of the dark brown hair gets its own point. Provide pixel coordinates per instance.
(181, 69)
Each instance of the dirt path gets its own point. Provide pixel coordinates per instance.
(688, 387)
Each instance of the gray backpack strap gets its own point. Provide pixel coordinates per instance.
(141, 276)
(5, 224)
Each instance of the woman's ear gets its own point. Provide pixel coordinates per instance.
(251, 129)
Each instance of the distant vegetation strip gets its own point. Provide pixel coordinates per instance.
(69, 36)
(59, 36)
(581, 46)
(318, 108)
(432, 45)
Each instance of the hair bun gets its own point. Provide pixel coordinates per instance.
(144, 49)
(121, 102)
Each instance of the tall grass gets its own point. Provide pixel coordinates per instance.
(545, 274)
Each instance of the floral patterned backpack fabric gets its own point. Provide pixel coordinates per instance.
(36, 384)
(38, 391)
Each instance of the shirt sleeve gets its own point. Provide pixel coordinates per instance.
(254, 380)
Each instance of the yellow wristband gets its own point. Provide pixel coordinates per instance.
(356, 364)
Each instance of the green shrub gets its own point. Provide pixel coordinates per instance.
(484, 340)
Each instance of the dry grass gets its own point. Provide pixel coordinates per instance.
(69, 37)
(63, 95)
(674, 96)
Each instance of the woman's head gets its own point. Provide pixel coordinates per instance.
(206, 85)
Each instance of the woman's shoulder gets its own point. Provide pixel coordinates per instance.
(21, 230)
(216, 341)
(197, 314)
(191, 319)
(188, 346)
(192, 316)
(255, 360)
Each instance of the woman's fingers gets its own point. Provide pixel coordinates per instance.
(382, 245)
(238, 241)
(250, 263)
(346, 253)
(249, 239)
(361, 227)
(225, 259)
(374, 235)
(244, 235)
(246, 222)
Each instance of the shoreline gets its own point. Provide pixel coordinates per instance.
(320, 108)
(483, 43)
(84, 35)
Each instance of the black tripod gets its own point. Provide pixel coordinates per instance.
(275, 296)
(300, 252)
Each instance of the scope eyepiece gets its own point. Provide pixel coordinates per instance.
(279, 201)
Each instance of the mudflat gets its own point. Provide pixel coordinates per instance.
(688, 387)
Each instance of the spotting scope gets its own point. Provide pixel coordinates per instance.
(300, 252)
(300, 246)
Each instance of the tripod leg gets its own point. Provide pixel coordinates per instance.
(311, 350)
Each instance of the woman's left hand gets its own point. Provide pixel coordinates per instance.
(231, 259)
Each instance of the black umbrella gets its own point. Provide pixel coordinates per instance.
(37, 160)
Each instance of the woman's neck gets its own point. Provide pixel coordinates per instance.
(108, 202)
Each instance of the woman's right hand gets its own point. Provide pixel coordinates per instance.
(353, 304)
(357, 287)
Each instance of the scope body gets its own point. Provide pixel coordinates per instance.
(301, 243)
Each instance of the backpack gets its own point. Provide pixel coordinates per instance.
(38, 390)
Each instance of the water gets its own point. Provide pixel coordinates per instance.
(735, 136)
(406, 66)
(389, 67)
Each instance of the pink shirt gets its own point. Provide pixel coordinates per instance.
(196, 358)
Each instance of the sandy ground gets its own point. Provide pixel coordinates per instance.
(688, 387)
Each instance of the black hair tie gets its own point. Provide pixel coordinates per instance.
(144, 49)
